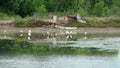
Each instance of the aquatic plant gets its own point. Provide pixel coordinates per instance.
(26, 47)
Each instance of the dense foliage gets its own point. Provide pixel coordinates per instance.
(84, 7)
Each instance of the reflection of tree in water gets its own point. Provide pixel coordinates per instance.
(6, 43)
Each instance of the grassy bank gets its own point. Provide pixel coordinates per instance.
(31, 22)
(93, 24)
(25, 47)
(35, 21)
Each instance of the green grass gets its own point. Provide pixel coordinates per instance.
(93, 24)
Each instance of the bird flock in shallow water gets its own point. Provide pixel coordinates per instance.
(29, 34)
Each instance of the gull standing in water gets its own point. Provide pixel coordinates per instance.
(21, 31)
(85, 33)
(29, 34)
(48, 35)
(5, 34)
(54, 41)
(69, 34)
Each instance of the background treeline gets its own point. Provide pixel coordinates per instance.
(24, 8)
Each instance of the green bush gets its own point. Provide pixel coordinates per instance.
(23, 22)
(3, 16)
(20, 23)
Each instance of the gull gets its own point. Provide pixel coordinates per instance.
(29, 38)
(5, 34)
(29, 34)
(68, 32)
(85, 33)
(48, 33)
(21, 31)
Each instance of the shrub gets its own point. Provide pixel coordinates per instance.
(20, 23)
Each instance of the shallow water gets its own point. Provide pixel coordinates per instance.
(59, 61)
(104, 41)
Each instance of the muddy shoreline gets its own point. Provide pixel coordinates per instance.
(89, 30)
